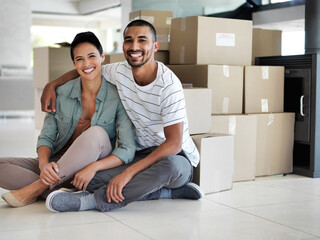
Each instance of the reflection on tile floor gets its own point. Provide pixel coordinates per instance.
(277, 207)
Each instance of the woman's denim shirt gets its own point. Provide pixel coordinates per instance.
(109, 114)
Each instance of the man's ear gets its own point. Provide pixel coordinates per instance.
(156, 46)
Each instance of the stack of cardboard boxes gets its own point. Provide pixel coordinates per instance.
(247, 101)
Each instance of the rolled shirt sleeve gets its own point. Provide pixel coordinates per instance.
(125, 137)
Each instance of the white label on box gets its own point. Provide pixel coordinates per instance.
(225, 39)
(168, 20)
(182, 54)
(232, 125)
(264, 105)
(265, 72)
(149, 19)
(226, 71)
(225, 107)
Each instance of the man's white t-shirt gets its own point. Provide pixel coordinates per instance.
(153, 107)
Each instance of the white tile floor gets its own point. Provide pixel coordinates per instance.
(274, 207)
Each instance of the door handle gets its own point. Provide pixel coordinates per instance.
(301, 106)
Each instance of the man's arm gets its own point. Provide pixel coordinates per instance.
(171, 146)
(49, 93)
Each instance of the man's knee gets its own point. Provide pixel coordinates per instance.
(175, 164)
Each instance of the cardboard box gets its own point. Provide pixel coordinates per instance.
(39, 115)
(275, 137)
(163, 37)
(244, 130)
(161, 56)
(225, 81)
(215, 170)
(263, 89)
(209, 40)
(49, 64)
(266, 42)
(113, 58)
(155, 17)
(198, 106)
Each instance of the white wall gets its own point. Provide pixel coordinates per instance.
(184, 8)
(15, 40)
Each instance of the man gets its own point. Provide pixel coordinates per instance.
(153, 98)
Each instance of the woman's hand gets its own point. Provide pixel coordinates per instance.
(83, 177)
(49, 175)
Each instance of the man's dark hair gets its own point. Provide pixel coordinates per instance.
(142, 23)
(84, 37)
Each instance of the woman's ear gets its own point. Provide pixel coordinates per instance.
(102, 58)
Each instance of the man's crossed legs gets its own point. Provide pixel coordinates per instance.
(168, 178)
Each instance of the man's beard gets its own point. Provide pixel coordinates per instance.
(142, 63)
(139, 64)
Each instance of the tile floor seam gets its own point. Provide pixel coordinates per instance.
(243, 211)
(262, 205)
(317, 195)
(121, 222)
(51, 227)
(281, 224)
(274, 204)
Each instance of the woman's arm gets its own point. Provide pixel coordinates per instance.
(48, 170)
(84, 176)
(125, 136)
(49, 95)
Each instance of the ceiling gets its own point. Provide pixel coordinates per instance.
(76, 13)
(108, 13)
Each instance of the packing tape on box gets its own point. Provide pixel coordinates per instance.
(168, 20)
(271, 119)
(226, 71)
(232, 125)
(182, 54)
(264, 105)
(149, 19)
(163, 38)
(183, 24)
(265, 72)
(225, 105)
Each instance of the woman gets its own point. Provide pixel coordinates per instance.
(88, 121)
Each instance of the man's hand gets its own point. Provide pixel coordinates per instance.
(48, 96)
(115, 186)
(49, 175)
(83, 177)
